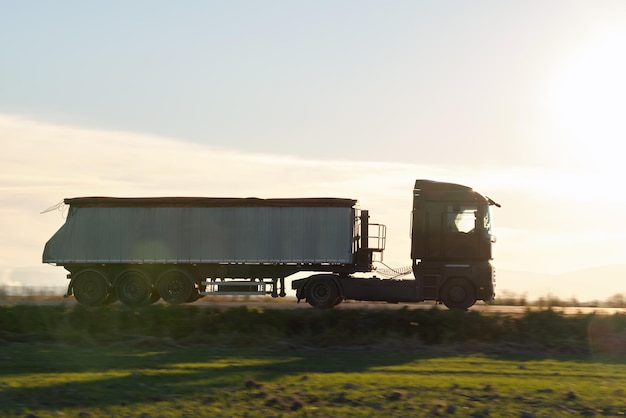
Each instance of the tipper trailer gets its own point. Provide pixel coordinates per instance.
(139, 250)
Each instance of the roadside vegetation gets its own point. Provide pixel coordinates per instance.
(547, 329)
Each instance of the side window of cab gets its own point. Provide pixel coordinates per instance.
(461, 218)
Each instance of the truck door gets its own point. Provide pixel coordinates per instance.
(461, 231)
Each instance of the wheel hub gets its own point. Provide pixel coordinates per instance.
(458, 294)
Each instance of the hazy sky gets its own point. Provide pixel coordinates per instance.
(524, 101)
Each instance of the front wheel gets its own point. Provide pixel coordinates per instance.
(322, 292)
(458, 293)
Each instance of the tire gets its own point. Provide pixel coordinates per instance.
(175, 287)
(458, 293)
(133, 288)
(91, 288)
(322, 292)
(195, 295)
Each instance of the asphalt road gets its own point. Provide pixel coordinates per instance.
(290, 303)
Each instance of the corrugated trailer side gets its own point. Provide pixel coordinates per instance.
(138, 250)
(309, 231)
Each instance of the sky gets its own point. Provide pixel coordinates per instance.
(523, 101)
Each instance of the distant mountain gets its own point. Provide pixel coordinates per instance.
(598, 283)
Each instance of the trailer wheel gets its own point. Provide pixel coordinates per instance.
(133, 288)
(175, 287)
(322, 292)
(458, 293)
(195, 295)
(91, 288)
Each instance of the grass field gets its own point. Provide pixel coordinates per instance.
(42, 380)
(166, 361)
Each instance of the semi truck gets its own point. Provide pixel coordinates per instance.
(141, 250)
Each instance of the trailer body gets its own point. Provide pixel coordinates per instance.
(139, 250)
(204, 231)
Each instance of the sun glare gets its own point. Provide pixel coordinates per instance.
(588, 103)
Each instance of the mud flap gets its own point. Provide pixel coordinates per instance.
(70, 290)
(298, 286)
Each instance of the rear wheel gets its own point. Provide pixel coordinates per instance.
(458, 293)
(195, 295)
(91, 287)
(133, 288)
(175, 286)
(322, 292)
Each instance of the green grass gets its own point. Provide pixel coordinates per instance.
(46, 380)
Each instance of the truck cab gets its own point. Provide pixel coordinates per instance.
(451, 255)
(451, 242)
